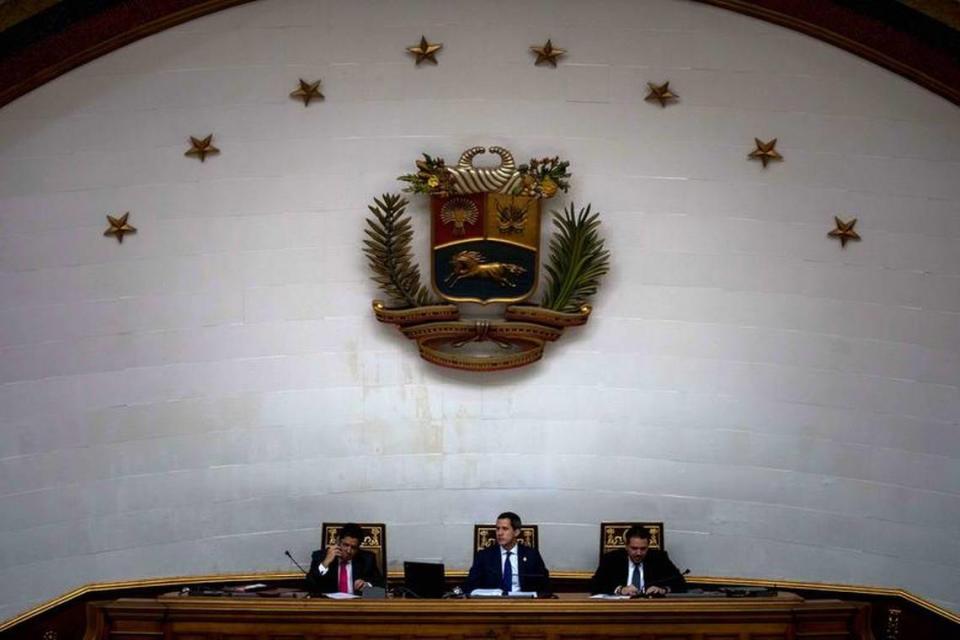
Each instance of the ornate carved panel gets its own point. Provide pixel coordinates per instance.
(611, 535)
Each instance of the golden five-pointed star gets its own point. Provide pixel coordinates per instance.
(425, 50)
(765, 152)
(548, 53)
(661, 93)
(307, 91)
(119, 226)
(201, 148)
(844, 231)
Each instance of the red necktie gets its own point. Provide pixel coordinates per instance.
(344, 583)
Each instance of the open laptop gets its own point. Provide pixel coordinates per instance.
(425, 579)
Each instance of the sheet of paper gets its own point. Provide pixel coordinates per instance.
(339, 595)
(608, 596)
(497, 593)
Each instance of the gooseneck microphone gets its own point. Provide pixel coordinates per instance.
(287, 552)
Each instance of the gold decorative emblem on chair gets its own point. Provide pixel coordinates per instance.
(611, 535)
(374, 539)
(485, 535)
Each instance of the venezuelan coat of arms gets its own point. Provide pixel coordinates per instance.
(485, 249)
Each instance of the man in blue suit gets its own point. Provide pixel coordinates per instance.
(508, 566)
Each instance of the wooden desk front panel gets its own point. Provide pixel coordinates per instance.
(782, 618)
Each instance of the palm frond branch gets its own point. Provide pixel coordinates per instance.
(577, 260)
(389, 255)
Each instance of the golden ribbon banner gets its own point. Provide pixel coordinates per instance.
(446, 340)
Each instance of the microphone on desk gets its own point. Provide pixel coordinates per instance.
(287, 552)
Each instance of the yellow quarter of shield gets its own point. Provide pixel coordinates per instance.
(513, 219)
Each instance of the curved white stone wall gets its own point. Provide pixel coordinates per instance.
(200, 397)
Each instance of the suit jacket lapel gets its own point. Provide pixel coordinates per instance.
(522, 553)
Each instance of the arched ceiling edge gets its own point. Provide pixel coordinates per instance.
(43, 39)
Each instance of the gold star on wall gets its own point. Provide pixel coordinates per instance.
(425, 50)
(548, 53)
(765, 152)
(201, 148)
(844, 231)
(119, 226)
(307, 91)
(661, 93)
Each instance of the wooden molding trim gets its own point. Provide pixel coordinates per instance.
(910, 51)
(904, 52)
(946, 11)
(55, 54)
(12, 13)
(176, 581)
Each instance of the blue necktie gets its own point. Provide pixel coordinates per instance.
(506, 583)
(637, 580)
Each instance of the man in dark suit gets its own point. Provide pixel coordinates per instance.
(637, 569)
(508, 565)
(344, 567)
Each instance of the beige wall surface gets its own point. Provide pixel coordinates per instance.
(201, 397)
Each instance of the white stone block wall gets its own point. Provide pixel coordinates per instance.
(201, 397)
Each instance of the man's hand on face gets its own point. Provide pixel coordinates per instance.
(332, 552)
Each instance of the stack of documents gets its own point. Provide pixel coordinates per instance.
(497, 593)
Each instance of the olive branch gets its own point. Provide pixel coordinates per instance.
(388, 252)
(577, 260)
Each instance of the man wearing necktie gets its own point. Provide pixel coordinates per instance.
(508, 565)
(637, 569)
(344, 567)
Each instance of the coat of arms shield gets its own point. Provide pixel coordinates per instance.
(485, 246)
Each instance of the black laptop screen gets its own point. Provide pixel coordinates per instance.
(426, 579)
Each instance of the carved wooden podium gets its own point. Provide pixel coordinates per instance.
(783, 617)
